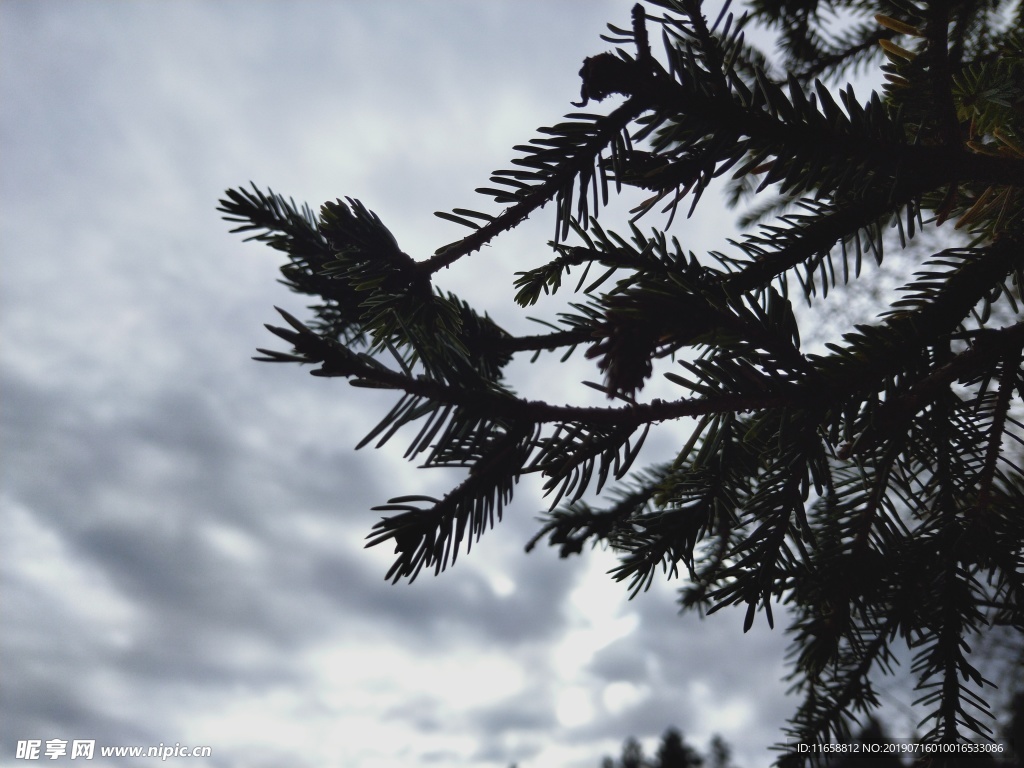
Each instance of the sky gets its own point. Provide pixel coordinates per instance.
(181, 551)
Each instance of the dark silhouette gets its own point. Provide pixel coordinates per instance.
(673, 752)
(872, 484)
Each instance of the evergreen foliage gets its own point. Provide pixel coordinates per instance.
(874, 487)
(673, 752)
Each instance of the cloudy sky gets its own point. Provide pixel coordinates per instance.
(182, 537)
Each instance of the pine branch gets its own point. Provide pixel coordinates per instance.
(557, 179)
(875, 487)
(431, 536)
(336, 361)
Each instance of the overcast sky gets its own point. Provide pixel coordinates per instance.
(182, 536)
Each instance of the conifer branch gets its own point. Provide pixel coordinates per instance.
(874, 486)
(538, 196)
